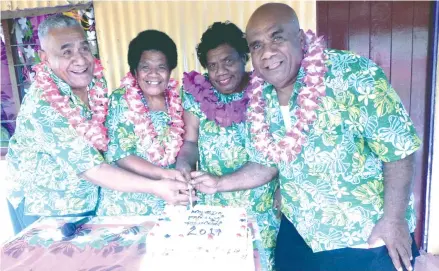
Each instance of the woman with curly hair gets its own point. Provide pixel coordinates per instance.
(215, 104)
(145, 126)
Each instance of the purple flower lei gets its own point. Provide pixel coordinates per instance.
(224, 114)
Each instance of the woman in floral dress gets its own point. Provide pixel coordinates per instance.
(145, 125)
(215, 104)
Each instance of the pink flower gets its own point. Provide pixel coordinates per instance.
(98, 69)
(289, 147)
(143, 126)
(92, 129)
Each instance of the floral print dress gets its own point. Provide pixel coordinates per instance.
(124, 142)
(222, 151)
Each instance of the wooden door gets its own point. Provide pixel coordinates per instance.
(396, 35)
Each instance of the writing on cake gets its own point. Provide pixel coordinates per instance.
(203, 222)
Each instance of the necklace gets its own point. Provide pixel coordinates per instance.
(93, 130)
(224, 114)
(162, 153)
(308, 101)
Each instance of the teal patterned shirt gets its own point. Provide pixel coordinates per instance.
(46, 157)
(333, 191)
(222, 151)
(124, 142)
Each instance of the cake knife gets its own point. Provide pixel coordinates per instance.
(190, 196)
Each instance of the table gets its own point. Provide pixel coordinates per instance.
(104, 243)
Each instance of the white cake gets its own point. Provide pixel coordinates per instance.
(203, 238)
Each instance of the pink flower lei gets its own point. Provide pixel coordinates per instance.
(93, 131)
(161, 154)
(224, 114)
(308, 101)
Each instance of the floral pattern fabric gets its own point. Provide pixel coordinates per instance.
(222, 151)
(124, 142)
(46, 156)
(104, 243)
(333, 192)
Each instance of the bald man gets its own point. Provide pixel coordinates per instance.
(342, 141)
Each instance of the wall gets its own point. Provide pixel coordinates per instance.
(184, 21)
(396, 35)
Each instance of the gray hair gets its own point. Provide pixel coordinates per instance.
(55, 21)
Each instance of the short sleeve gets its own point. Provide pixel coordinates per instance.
(382, 118)
(123, 140)
(190, 105)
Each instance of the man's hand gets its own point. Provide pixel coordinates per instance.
(205, 182)
(173, 175)
(169, 190)
(395, 234)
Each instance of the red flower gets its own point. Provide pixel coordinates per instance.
(98, 105)
(308, 99)
(143, 126)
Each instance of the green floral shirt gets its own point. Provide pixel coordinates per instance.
(222, 151)
(333, 191)
(46, 156)
(124, 142)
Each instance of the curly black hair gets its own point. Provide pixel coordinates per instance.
(151, 40)
(220, 33)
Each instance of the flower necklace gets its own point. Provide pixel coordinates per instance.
(161, 153)
(308, 101)
(224, 114)
(93, 130)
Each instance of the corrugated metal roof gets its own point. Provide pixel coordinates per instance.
(32, 4)
(184, 21)
(16, 9)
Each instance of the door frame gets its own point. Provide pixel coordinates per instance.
(431, 218)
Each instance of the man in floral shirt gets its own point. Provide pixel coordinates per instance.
(342, 141)
(54, 158)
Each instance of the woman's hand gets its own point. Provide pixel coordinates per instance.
(169, 190)
(186, 172)
(173, 175)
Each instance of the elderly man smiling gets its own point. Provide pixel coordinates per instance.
(342, 141)
(54, 158)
